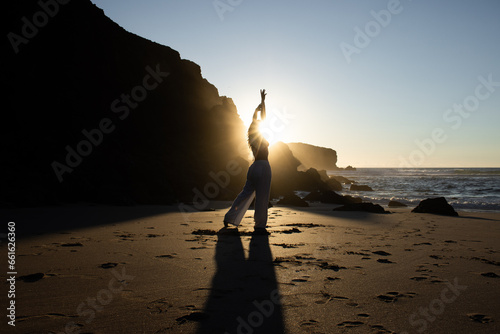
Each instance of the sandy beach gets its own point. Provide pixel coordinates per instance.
(153, 269)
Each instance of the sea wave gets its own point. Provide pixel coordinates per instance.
(476, 172)
(467, 189)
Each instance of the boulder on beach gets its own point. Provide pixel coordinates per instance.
(437, 205)
(396, 204)
(293, 200)
(331, 197)
(333, 184)
(312, 180)
(360, 187)
(342, 179)
(365, 207)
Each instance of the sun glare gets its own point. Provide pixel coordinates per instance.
(273, 134)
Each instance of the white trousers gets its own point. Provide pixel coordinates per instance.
(258, 185)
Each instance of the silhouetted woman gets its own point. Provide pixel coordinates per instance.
(258, 177)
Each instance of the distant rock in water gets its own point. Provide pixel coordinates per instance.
(437, 205)
(360, 187)
(314, 156)
(293, 200)
(365, 207)
(396, 204)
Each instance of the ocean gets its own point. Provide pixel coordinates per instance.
(466, 189)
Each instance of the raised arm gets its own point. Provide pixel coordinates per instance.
(262, 104)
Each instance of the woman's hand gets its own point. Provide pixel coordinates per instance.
(262, 95)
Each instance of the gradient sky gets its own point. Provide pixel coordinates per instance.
(389, 103)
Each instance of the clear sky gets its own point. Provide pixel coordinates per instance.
(385, 83)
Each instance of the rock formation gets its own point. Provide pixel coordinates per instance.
(95, 113)
(314, 156)
(437, 205)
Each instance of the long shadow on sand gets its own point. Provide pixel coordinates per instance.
(244, 296)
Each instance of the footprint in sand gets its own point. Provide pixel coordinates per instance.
(387, 298)
(356, 253)
(328, 297)
(422, 268)
(437, 280)
(332, 278)
(194, 316)
(385, 261)
(168, 256)
(126, 237)
(32, 277)
(309, 225)
(494, 263)
(418, 278)
(393, 296)
(440, 264)
(204, 232)
(300, 280)
(380, 329)
(151, 235)
(159, 306)
(311, 323)
(290, 231)
(71, 244)
(350, 324)
(382, 253)
(481, 318)
(490, 274)
(334, 267)
(284, 245)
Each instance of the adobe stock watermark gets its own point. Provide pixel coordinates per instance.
(363, 37)
(87, 310)
(223, 6)
(425, 316)
(276, 122)
(31, 27)
(263, 310)
(454, 116)
(121, 107)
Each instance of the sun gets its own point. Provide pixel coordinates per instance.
(272, 132)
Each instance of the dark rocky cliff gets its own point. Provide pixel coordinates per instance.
(95, 113)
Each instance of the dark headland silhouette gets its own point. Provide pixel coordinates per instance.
(97, 114)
